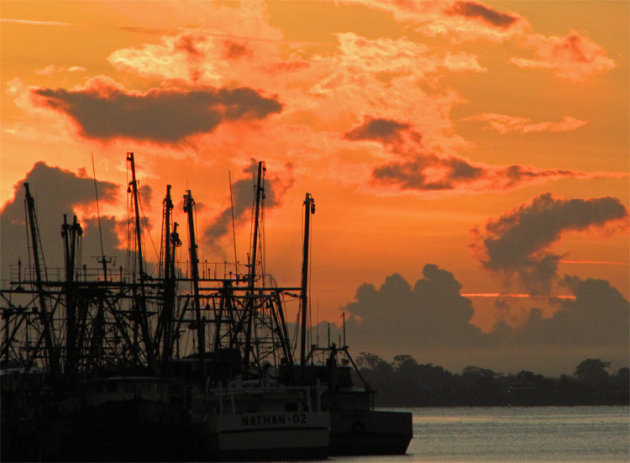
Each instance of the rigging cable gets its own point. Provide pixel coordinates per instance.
(233, 224)
(98, 210)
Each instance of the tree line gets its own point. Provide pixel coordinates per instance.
(405, 382)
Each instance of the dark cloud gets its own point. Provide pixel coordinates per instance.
(56, 192)
(598, 316)
(432, 313)
(146, 194)
(243, 200)
(444, 175)
(486, 14)
(517, 242)
(516, 175)
(426, 171)
(432, 322)
(420, 169)
(189, 44)
(113, 249)
(159, 115)
(235, 50)
(385, 130)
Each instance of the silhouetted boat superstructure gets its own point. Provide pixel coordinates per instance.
(100, 356)
(356, 428)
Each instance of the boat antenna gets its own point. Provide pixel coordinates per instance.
(309, 208)
(317, 322)
(103, 260)
(233, 224)
(329, 335)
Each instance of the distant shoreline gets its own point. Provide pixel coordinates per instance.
(406, 383)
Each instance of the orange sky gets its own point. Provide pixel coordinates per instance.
(416, 126)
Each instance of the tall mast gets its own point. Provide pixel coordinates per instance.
(69, 233)
(141, 302)
(309, 208)
(194, 276)
(259, 194)
(43, 311)
(175, 243)
(166, 324)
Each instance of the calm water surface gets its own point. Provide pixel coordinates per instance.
(515, 434)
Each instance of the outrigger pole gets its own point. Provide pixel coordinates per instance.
(194, 276)
(260, 191)
(46, 319)
(309, 208)
(141, 303)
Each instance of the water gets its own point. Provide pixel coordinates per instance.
(515, 434)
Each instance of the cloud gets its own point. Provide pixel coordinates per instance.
(457, 20)
(572, 57)
(400, 56)
(105, 111)
(432, 321)
(235, 45)
(243, 199)
(56, 192)
(517, 243)
(51, 69)
(428, 172)
(598, 315)
(430, 313)
(486, 14)
(421, 169)
(45, 71)
(186, 57)
(385, 130)
(505, 124)
(32, 22)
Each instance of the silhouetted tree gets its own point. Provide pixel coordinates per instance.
(369, 361)
(405, 382)
(592, 372)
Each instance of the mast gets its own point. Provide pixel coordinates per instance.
(175, 243)
(141, 302)
(166, 319)
(194, 276)
(69, 233)
(259, 194)
(309, 208)
(43, 311)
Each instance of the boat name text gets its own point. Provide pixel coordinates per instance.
(264, 420)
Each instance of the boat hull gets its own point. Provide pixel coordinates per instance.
(133, 430)
(267, 436)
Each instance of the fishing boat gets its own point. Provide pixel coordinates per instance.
(125, 365)
(356, 428)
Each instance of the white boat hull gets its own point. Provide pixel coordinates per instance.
(259, 436)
